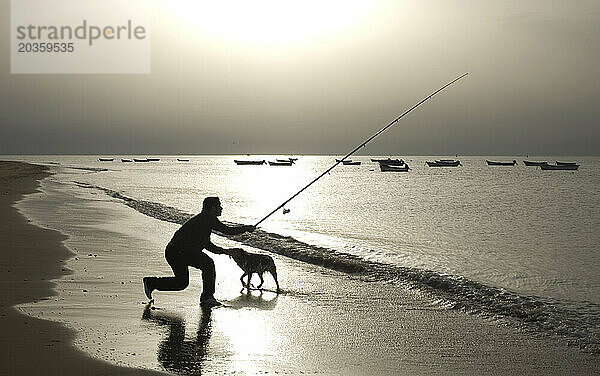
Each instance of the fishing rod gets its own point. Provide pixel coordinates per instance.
(363, 144)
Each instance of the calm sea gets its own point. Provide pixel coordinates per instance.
(510, 242)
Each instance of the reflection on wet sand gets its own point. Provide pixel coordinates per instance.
(254, 299)
(176, 354)
(188, 356)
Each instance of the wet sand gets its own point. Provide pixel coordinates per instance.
(30, 258)
(324, 322)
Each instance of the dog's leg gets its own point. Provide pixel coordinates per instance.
(274, 274)
(242, 279)
(249, 278)
(261, 280)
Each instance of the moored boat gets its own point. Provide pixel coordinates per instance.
(444, 163)
(248, 162)
(570, 167)
(293, 160)
(565, 163)
(281, 163)
(534, 163)
(141, 160)
(106, 159)
(182, 160)
(389, 161)
(126, 160)
(391, 168)
(153, 159)
(501, 163)
(348, 162)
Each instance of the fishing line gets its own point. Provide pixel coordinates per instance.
(363, 144)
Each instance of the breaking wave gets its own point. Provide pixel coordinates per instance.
(576, 322)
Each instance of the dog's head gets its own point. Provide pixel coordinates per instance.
(238, 255)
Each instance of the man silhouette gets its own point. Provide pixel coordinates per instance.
(185, 249)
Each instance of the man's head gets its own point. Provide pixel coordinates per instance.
(212, 205)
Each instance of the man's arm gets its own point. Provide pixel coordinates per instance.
(218, 250)
(229, 230)
(215, 249)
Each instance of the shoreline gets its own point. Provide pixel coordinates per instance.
(34, 257)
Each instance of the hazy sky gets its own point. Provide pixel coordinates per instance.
(319, 77)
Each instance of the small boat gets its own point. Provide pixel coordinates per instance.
(348, 162)
(534, 163)
(565, 163)
(443, 163)
(126, 160)
(389, 161)
(559, 167)
(248, 162)
(182, 160)
(106, 159)
(281, 163)
(141, 160)
(500, 163)
(391, 168)
(153, 159)
(293, 160)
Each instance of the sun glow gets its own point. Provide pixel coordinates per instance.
(267, 23)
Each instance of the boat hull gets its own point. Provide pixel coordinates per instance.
(248, 163)
(389, 161)
(277, 163)
(496, 163)
(389, 168)
(570, 167)
(534, 163)
(443, 163)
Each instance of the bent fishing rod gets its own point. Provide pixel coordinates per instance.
(363, 144)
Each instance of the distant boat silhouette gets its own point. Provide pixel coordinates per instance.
(248, 162)
(141, 160)
(565, 163)
(182, 160)
(559, 166)
(281, 163)
(534, 163)
(106, 159)
(444, 163)
(348, 162)
(126, 160)
(285, 211)
(500, 163)
(391, 168)
(153, 159)
(389, 161)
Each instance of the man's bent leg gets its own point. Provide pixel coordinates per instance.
(180, 281)
(202, 261)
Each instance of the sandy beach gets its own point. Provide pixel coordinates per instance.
(30, 259)
(92, 318)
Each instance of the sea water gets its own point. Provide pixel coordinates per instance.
(509, 242)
